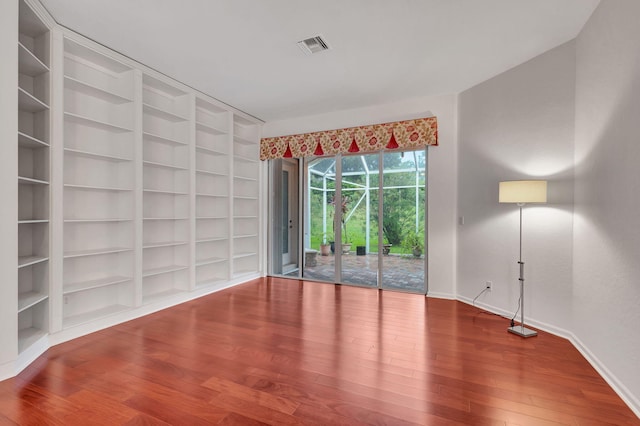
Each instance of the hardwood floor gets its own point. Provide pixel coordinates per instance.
(281, 352)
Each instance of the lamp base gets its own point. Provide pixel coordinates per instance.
(522, 331)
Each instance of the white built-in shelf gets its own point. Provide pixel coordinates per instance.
(28, 63)
(209, 150)
(94, 91)
(28, 141)
(33, 135)
(245, 236)
(31, 181)
(243, 141)
(210, 239)
(95, 188)
(99, 181)
(245, 254)
(163, 165)
(160, 87)
(30, 260)
(210, 261)
(29, 299)
(250, 179)
(166, 218)
(162, 139)
(95, 252)
(201, 194)
(99, 220)
(163, 114)
(209, 129)
(29, 103)
(28, 221)
(95, 155)
(211, 217)
(244, 197)
(96, 59)
(164, 244)
(29, 336)
(165, 191)
(209, 172)
(209, 113)
(245, 159)
(245, 217)
(91, 284)
(163, 270)
(92, 122)
(93, 315)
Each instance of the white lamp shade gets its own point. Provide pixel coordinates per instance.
(523, 191)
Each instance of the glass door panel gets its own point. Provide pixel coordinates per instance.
(359, 221)
(404, 220)
(290, 217)
(319, 240)
(284, 211)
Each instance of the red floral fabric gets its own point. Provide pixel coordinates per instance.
(399, 135)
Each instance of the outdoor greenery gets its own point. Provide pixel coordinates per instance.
(399, 201)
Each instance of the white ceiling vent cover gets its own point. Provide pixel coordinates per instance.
(313, 45)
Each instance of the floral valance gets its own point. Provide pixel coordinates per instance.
(399, 135)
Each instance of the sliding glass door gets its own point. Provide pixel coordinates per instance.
(359, 219)
(363, 220)
(403, 223)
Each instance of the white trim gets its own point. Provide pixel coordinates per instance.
(632, 401)
(445, 296)
(31, 354)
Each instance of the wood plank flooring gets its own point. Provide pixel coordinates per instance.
(285, 352)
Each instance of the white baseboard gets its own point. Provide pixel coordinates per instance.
(623, 392)
(436, 295)
(7, 370)
(31, 354)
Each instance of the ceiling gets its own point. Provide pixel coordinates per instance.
(244, 52)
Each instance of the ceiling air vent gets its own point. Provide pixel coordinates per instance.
(313, 45)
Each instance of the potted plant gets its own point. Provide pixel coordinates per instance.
(325, 247)
(413, 242)
(346, 247)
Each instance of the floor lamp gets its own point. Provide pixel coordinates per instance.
(522, 192)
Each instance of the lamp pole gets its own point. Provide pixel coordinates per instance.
(521, 330)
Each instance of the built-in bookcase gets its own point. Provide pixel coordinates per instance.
(134, 191)
(166, 189)
(98, 270)
(212, 170)
(33, 177)
(246, 195)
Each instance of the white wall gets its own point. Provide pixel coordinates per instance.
(607, 192)
(571, 116)
(441, 170)
(519, 125)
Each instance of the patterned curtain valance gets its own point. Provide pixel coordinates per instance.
(388, 136)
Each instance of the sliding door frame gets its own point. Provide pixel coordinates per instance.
(274, 231)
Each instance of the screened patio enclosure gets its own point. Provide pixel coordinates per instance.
(360, 176)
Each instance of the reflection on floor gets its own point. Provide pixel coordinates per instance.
(400, 272)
